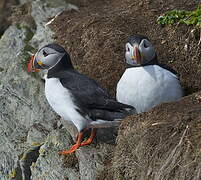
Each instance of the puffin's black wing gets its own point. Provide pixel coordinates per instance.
(88, 92)
(90, 97)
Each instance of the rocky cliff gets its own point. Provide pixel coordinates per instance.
(161, 144)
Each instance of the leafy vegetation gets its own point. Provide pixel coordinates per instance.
(27, 48)
(181, 16)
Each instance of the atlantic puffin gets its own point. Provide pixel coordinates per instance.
(77, 98)
(146, 82)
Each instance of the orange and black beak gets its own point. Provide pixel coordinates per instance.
(31, 67)
(137, 55)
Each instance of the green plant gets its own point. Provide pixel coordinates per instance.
(181, 16)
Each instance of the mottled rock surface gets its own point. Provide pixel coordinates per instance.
(5, 12)
(25, 116)
(18, 111)
(87, 163)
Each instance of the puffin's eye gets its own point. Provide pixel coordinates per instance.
(128, 49)
(44, 53)
(145, 44)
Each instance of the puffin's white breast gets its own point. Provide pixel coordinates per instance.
(61, 100)
(148, 86)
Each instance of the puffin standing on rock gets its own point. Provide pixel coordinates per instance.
(146, 83)
(74, 96)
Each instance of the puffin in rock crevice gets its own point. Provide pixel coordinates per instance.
(146, 83)
(77, 98)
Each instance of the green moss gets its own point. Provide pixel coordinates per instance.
(27, 48)
(25, 55)
(29, 34)
(18, 26)
(180, 16)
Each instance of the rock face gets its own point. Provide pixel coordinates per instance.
(160, 144)
(18, 111)
(86, 163)
(23, 108)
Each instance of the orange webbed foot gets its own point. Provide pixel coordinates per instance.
(74, 147)
(90, 139)
(72, 150)
(78, 142)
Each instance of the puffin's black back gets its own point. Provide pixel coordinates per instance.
(91, 99)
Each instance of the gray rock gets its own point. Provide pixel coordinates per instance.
(42, 12)
(29, 157)
(86, 164)
(22, 103)
(37, 133)
(31, 134)
(51, 166)
(5, 12)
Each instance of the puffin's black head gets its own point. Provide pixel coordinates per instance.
(140, 51)
(48, 57)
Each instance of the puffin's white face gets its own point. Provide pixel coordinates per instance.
(45, 58)
(139, 53)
